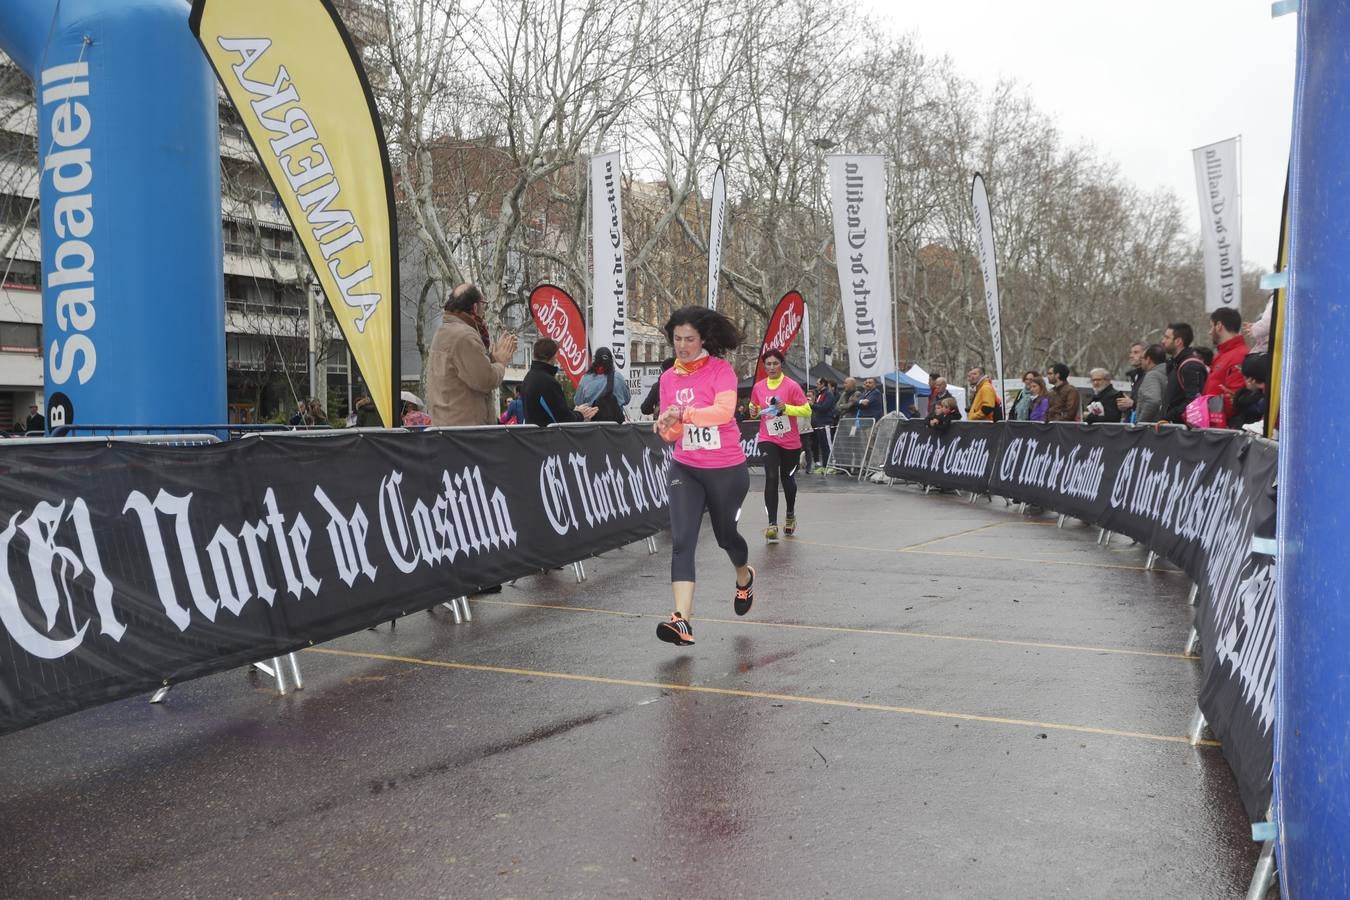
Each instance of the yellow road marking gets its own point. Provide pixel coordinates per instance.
(947, 537)
(887, 632)
(1048, 562)
(762, 695)
(982, 555)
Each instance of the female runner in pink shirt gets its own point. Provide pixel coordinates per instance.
(708, 472)
(778, 401)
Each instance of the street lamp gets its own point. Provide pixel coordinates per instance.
(311, 288)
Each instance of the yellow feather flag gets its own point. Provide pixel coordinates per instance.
(292, 72)
(1277, 325)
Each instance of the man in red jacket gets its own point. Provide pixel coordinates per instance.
(1230, 348)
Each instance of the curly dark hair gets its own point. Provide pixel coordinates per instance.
(719, 333)
(773, 352)
(602, 363)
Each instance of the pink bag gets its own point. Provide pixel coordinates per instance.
(1206, 411)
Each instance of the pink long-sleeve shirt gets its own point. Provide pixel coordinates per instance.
(710, 396)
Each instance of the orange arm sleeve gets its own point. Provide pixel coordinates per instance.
(723, 410)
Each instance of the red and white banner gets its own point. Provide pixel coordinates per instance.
(557, 316)
(784, 324)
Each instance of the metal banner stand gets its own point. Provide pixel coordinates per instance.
(274, 668)
(1193, 639)
(455, 605)
(1198, 725)
(579, 570)
(1264, 875)
(651, 545)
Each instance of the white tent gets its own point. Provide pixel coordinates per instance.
(958, 393)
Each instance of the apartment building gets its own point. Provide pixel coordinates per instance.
(20, 266)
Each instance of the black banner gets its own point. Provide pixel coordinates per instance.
(957, 458)
(1197, 498)
(125, 566)
(750, 442)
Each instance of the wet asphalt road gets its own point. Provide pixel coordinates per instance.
(929, 699)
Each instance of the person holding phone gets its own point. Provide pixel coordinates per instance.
(778, 401)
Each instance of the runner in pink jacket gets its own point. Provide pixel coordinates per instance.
(778, 401)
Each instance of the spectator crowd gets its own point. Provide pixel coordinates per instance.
(1176, 381)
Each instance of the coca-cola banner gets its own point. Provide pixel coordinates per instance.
(126, 566)
(557, 316)
(784, 324)
(1195, 497)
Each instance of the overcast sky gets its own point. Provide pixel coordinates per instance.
(1144, 82)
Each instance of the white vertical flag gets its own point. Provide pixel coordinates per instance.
(858, 206)
(718, 216)
(1218, 183)
(984, 239)
(609, 295)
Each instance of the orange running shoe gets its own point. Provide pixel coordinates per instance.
(676, 630)
(745, 596)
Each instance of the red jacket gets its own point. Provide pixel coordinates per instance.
(1225, 376)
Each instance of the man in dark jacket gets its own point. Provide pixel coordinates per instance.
(822, 419)
(938, 386)
(1249, 403)
(1186, 372)
(653, 398)
(1065, 404)
(1101, 405)
(846, 404)
(871, 403)
(540, 393)
(1127, 402)
(822, 405)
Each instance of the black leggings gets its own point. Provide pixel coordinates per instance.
(720, 492)
(778, 461)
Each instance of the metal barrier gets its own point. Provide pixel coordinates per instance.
(186, 439)
(231, 431)
(883, 434)
(851, 440)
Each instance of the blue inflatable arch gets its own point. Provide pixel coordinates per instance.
(133, 304)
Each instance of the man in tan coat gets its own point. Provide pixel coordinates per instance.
(462, 375)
